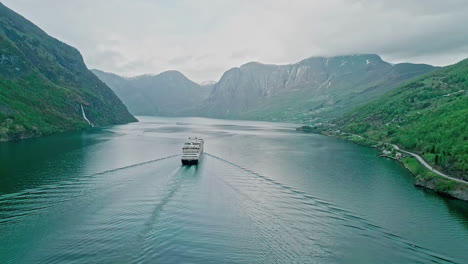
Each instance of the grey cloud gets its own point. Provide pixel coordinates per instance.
(203, 57)
(180, 60)
(205, 38)
(239, 54)
(105, 57)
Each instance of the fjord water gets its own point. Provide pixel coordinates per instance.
(263, 193)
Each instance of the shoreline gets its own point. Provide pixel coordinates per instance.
(423, 177)
(33, 135)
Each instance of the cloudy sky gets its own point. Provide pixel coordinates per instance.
(204, 38)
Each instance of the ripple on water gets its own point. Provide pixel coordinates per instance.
(160, 212)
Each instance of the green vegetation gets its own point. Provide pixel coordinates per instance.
(308, 129)
(317, 88)
(44, 83)
(433, 181)
(421, 172)
(427, 115)
(359, 140)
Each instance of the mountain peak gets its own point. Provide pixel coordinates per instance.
(164, 74)
(172, 73)
(169, 93)
(253, 64)
(255, 89)
(366, 58)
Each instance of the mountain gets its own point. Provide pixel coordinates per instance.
(318, 87)
(167, 94)
(45, 86)
(208, 84)
(427, 115)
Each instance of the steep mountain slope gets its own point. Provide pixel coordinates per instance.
(45, 86)
(208, 87)
(315, 87)
(167, 94)
(428, 115)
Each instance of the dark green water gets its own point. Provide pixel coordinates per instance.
(263, 193)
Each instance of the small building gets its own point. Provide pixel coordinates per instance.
(386, 152)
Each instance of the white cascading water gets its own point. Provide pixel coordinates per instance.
(84, 116)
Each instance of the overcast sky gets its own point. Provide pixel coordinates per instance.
(204, 38)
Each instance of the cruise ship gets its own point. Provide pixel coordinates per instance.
(192, 151)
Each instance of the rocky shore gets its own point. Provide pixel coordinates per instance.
(423, 177)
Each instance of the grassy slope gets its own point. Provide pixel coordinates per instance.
(43, 82)
(427, 116)
(32, 107)
(356, 86)
(429, 179)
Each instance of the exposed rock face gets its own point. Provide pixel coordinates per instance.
(315, 87)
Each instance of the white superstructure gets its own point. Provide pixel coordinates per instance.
(192, 151)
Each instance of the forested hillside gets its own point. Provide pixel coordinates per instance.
(45, 86)
(428, 115)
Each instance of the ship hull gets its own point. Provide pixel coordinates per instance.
(189, 162)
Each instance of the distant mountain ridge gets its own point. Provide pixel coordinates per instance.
(312, 88)
(317, 87)
(45, 86)
(169, 93)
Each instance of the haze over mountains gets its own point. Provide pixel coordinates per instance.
(45, 86)
(167, 94)
(317, 87)
(314, 87)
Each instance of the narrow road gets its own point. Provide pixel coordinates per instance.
(423, 162)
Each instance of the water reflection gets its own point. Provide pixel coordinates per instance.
(261, 194)
(33, 162)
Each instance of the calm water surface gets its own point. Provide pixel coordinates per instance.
(263, 193)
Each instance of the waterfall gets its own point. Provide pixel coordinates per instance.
(84, 116)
